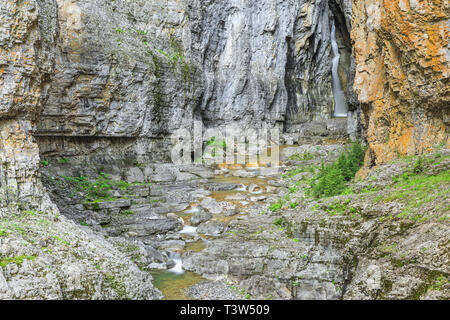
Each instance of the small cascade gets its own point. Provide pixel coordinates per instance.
(178, 268)
(188, 230)
(340, 108)
(193, 209)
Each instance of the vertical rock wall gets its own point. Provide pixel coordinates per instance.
(129, 73)
(124, 74)
(27, 32)
(402, 75)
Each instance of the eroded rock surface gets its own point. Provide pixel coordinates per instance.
(387, 240)
(403, 62)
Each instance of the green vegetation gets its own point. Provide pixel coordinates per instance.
(44, 163)
(276, 205)
(63, 161)
(298, 170)
(439, 283)
(294, 205)
(127, 212)
(278, 221)
(61, 240)
(338, 208)
(417, 190)
(331, 179)
(216, 145)
(100, 189)
(302, 157)
(118, 286)
(16, 260)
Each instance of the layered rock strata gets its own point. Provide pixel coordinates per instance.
(403, 63)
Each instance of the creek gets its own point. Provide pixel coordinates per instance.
(174, 281)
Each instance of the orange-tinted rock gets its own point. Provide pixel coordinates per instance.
(403, 67)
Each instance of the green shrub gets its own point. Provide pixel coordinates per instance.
(418, 165)
(16, 260)
(127, 213)
(302, 157)
(278, 222)
(276, 206)
(44, 163)
(63, 161)
(294, 205)
(100, 189)
(332, 178)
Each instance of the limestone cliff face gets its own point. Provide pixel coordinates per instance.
(114, 79)
(403, 66)
(27, 33)
(128, 73)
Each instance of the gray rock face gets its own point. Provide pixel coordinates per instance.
(344, 247)
(211, 228)
(211, 205)
(58, 260)
(107, 82)
(200, 217)
(121, 74)
(27, 55)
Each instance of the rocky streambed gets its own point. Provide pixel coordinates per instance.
(250, 231)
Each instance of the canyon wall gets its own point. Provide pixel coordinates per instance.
(27, 33)
(402, 75)
(115, 79)
(129, 73)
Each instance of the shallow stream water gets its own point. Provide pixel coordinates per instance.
(174, 282)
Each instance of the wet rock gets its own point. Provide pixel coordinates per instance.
(258, 198)
(221, 186)
(244, 174)
(157, 266)
(255, 189)
(231, 212)
(211, 228)
(199, 193)
(172, 245)
(235, 197)
(170, 264)
(200, 217)
(211, 205)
